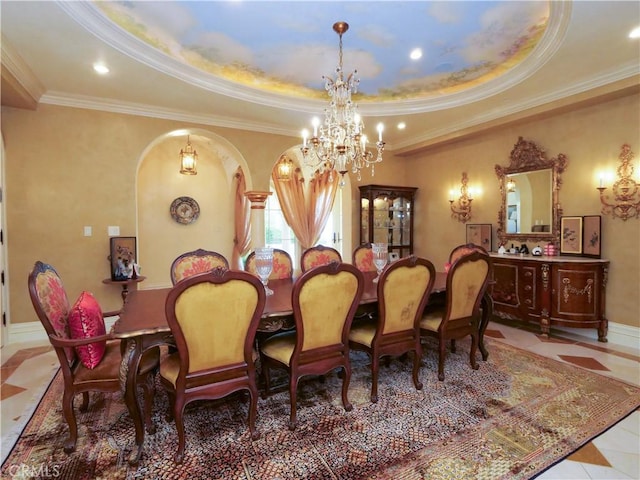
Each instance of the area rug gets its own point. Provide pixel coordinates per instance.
(514, 417)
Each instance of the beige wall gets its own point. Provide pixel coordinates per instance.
(66, 168)
(591, 138)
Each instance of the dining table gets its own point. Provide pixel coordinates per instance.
(142, 325)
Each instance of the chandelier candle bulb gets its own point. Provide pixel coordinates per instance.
(380, 129)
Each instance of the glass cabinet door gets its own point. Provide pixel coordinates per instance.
(386, 215)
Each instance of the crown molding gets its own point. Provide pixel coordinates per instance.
(17, 74)
(129, 108)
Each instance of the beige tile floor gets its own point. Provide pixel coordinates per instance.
(27, 370)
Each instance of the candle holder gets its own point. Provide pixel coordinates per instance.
(461, 209)
(626, 201)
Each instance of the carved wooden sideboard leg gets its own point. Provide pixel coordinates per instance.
(603, 329)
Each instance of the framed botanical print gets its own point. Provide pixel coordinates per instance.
(570, 235)
(480, 234)
(122, 256)
(591, 236)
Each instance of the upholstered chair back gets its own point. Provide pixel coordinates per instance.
(282, 265)
(195, 262)
(467, 282)
(404, 288)
(51, 303)
(324, 302)
(363, 258)
(214, 318)
(465, 249)
(317, 256)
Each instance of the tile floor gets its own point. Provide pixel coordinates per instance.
(27, 370)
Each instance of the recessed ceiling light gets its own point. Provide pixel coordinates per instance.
(101, 68)
(402, 126)
(635, 33)
(416, 53)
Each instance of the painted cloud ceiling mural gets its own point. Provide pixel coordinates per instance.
(286, 47)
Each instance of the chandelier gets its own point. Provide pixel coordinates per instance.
(340, 143)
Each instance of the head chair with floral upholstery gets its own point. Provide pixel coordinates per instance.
(89, 357)
(466, 284)
(403, 291)
(324, 300)
(317, 256)
(214, 318)
(195, 262)
(282, 265)
(363, 258)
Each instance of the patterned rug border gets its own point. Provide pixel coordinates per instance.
(451, 457)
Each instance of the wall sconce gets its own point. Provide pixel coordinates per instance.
(626, 201)
(188, 160)
(284, 169)
(461, 209)
(511, 185)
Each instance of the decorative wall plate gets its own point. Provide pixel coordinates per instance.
(184, 210)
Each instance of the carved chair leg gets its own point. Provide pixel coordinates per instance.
(172, 401)
(84, 406)
(375, 366)
(441, 356)
(293, 388)
(253, 411)
(346, 378)
(453, 345)
(178, 413)
(70, 417)
(416, 370)
(266, 378)
(472, 354)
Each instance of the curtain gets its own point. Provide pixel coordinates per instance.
(242, 221)
(306, 216)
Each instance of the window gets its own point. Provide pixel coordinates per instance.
(279, 235)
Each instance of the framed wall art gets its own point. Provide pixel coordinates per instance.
(570, 235)
(480, 234)
(123, 257)
(591, 236)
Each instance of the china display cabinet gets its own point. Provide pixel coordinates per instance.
(386, 215)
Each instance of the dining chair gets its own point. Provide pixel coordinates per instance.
(363, 258)
(282, 265)
(403, 291)
(89, 357)
(195, 262)
(324, 301)
(318, 255)
(466, 285)
(464, 249)
(213, 318)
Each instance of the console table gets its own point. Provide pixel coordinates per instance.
(562, 291)
(125, 284)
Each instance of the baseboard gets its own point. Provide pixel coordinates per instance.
(618, 334)
(35, 332)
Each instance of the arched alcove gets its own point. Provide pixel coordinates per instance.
(159, 182)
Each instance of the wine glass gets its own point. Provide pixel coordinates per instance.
(264, 266)
(380, 257)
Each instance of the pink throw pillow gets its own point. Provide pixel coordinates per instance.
(86, 321)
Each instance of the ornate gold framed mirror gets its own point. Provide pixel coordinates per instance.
(529, 187)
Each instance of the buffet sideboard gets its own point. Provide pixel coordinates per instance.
(551, 291)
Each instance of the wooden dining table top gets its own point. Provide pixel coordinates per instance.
(144, 310)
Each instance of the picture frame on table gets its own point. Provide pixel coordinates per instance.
(570, 235)
(592, 236)
(122, 256)
(480, 234)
